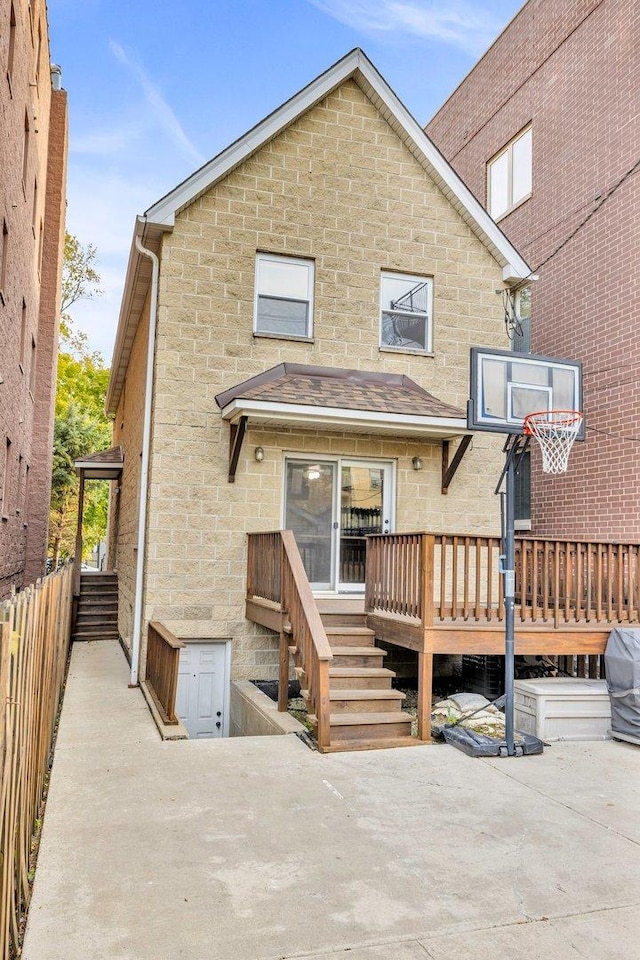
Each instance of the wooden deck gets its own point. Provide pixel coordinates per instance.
(442, 594)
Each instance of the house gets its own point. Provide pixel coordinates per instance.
(544, 131)
(293, 352)
(33, 151)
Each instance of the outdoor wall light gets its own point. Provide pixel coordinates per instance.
(259, 454)
(417, 463)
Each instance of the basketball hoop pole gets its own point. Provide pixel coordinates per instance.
(514, 449)
(509, 575)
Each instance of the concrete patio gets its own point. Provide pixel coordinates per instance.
(258, 848)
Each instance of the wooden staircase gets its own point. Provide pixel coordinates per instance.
(365, 711)
(97, 612)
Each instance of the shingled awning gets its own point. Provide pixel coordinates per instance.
(335, 399)
(104, 465)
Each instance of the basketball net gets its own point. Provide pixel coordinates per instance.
(555, 431)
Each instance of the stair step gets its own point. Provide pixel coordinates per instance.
(361, 678)
(365, 701)
(358, 656)
(344, 619)
(98, 601)
(383, 743)
(350, 636)
(98, 635)
(367, 726)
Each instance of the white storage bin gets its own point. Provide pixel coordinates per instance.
(563, 708)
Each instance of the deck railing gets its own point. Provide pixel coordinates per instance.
(276, 574)
(557, 581)
(34, 642)
(163, 660)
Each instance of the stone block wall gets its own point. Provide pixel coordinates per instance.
(340, 187)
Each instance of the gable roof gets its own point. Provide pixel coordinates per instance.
(356, 66)
(335, 398)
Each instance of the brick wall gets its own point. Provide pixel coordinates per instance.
(573, 71)
(32, 259)
(340, 187)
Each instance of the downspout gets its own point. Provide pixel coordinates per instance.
(144, 466)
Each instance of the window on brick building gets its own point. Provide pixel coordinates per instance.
(20, 490)
(6, 479)
(523, 493)
(34, 209)
(23, 333)
(4, 260)
(32, 368)
(25, 151)
(405, 312)
(284, 296)
(510, 175)
(12, 44)
(522, 334)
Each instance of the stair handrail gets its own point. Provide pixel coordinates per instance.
(312, 648)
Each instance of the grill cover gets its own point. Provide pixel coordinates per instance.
(622, 663)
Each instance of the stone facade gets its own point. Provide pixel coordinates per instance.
(339, 186)
(33, 150)
(572, 71)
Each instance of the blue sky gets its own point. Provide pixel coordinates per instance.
(156, 89)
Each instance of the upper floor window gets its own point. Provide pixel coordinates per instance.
(509, 175)
(405, 312)
(284, 296)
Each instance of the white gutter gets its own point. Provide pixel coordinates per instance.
(144, 466)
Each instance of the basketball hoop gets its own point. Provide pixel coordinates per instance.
(555, 431)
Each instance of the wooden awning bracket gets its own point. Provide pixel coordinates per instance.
(449, 469)
(236, 436)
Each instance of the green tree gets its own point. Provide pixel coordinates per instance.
(81, 426)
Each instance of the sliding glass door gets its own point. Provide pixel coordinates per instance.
(331, 505)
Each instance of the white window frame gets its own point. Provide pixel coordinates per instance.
(401, 348)
(507, 151)
(298, 261)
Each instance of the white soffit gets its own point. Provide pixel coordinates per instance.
(311, 417)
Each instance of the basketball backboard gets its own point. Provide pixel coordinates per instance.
(507, 386)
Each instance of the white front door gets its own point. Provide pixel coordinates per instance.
(201, 701)
(331, 504)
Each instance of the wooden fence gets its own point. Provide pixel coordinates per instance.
(34, 644)
(163, 660)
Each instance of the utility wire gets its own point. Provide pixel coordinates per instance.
(585, 220)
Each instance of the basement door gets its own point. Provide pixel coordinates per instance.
(203, 683)
(331, 504)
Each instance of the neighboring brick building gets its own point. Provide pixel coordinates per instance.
(33, 151)
(305, 274)
(570, 74)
